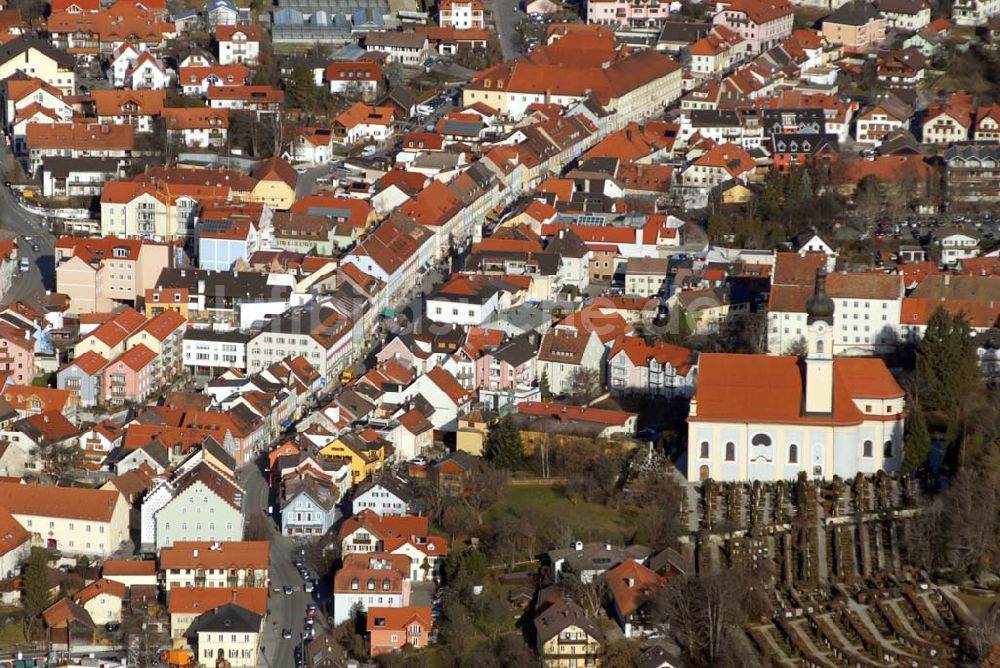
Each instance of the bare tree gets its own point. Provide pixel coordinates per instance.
(584, 385)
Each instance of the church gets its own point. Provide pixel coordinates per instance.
(766, 417)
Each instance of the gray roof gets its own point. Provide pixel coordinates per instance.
(562, 614)
(222, 288)
(228, 618)
(232, 336)
(395, 40)
(684, 32)
(519, 349)
(16, 47)
(853, 13)
(61, 167)
(597, 556)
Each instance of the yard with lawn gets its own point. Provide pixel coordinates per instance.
(558, 520)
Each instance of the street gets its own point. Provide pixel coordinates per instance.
(286, 611)
(41, 273)
(506, 16)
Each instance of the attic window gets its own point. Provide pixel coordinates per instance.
(156, 296)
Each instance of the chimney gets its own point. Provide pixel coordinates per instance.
(578, 545)
(607, 547)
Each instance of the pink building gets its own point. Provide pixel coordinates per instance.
(762, 23)
(633, 13)
(510, 365)
(17, 353)
(130, 376)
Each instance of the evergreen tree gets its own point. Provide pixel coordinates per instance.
(503, 444)
(917, 442)
(37, 585)
(946, 363)
(543, 385)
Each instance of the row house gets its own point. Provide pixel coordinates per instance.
(137, 108)
(29, 99)
(721, 163)
(318, 333)
(110, 337)
(259, 99)
(234, 564)
(17, 352)
(713, 55)
(101, 33)
(77, 140)
(395, 253)
(163, 334)
(973, 172)
(129, 377)
(197, 127)
(788, 108)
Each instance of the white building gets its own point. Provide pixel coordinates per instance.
(956, 246)
(868, 307)
(757, 417)
(208, 352)
(73, 520)
(238, 44)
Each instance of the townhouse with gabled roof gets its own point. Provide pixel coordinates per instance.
(349, 77)
(199, 504)
(762, 23)
(109, 338)
(77, 140)
(319, 333)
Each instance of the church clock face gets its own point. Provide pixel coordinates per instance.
(820, 327)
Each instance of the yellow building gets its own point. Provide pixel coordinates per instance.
(567, 638)
(471, 436)
(158, 300)
(38, 58)
(276, 180)
(365, 451)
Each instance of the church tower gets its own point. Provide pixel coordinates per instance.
(819, 348)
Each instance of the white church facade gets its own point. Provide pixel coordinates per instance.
(760, 417)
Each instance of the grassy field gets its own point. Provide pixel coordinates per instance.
(553, 515)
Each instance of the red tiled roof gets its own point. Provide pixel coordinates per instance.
(574, 413)
(640, 352)
(727, 382)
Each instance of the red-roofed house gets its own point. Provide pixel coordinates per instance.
(652, 368)
(721, 163)
(238, 44)
(762, 23)
(129, 377)
(949, 121)
(449, 399)
(392, 629)
(632, 587)
(362, 122)
(756, 417)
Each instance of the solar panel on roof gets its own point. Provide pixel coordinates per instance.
(214, 226)
(587, 219)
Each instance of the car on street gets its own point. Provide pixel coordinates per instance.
(308, 587)
(309, 621)
(288, 590)
(277, 589)
(286, 634)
